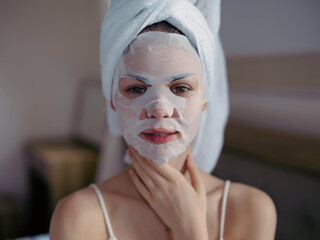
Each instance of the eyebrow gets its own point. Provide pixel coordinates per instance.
(138, 77)
(177, 77)
(170, 79)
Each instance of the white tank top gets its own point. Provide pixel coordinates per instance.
(108, 224)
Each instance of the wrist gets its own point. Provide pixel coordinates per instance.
(195, 233)
(193, 237)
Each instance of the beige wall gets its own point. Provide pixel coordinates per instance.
(251, 27)
(46, 49)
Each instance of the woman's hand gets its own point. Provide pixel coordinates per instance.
(180, 205)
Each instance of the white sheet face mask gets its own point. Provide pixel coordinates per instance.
(158, 93)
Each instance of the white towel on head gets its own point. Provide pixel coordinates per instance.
(211, 11)
(126, 19)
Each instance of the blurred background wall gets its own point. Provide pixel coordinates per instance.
(273, 135)
(48, 48)
(270, 27)
(279, 42)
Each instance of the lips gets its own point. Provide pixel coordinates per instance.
(159, 136)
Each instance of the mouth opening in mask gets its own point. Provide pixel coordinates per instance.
(159, 136)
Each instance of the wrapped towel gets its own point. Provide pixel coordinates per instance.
(126, 19)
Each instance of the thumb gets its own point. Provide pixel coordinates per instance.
(195, 177)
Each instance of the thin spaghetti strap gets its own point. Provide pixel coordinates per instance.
(223, 208)
(104, 211)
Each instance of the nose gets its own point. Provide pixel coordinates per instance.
(158, 109)
(159, 113)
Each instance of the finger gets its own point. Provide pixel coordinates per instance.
(139, 185)
(195, 177)
(144, 174)
(145, 166)
(165, 170)
(141, 160)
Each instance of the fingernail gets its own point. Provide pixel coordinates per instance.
(128, 152)
(131, 172)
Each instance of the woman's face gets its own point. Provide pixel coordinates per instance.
(159, 99)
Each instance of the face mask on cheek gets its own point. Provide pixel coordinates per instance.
(159, 123)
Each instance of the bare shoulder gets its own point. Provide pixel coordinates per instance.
(252, 211)
(77, 217)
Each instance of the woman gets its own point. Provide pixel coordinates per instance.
(159, 90)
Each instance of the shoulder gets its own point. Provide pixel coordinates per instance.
(250, 213)
(74, 216)
(252, 210)
(79, 215)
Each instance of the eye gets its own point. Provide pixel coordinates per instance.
(135, 90)
(180, 90)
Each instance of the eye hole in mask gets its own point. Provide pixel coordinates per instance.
(183, 87)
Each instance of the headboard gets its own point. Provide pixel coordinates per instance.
(275, 108)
